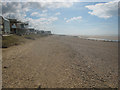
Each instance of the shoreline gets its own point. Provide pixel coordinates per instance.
(100, 39)
(96, 38)
(107, 38)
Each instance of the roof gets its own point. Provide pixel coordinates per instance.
(24, 23)
(14, 21)
(4, 18)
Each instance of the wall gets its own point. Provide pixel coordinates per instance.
(6, 26)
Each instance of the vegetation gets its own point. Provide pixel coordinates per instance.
(12, 40)
(8, 41)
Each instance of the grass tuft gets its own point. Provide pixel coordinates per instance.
(13, 40)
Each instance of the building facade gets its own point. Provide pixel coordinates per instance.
(18, 27)
(4, 25)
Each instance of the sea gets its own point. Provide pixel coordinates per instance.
(106, 38)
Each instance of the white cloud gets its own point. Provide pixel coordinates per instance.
(41, 22)
(104, 10)
(19, 11)
(60, 4)
(44, 11)
(40, 0)
(65, 18)
(56, 0)
(73, 19)
(53, 5)
(58, 13)
(37, 14)
(34, 14)
(0, 9)
(14, 8)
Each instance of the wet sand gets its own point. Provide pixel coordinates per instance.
(61, 61)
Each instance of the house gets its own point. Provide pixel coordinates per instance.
(22, 28)
(40, 32)
(35, 32)
(18, 27)
(1, 25)
(31, 30)
(13, 25)
(4, 25)
(47, 32)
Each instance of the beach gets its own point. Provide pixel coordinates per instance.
(58, 61)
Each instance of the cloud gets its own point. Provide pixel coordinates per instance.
(34, 14)
(14, 10)
(0, 9)
(65, 18)
(104, 10)
(40, 0)
(58, 13)
(52, 5)
(59, 4)
(73, 19)
(37, 14)
(44, 11)
(41, 22)
(19, 10)
(23, 7)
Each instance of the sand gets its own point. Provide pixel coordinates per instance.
(61, 61)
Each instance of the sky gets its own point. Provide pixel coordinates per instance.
(70, 18)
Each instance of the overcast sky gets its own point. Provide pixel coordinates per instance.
(71, 18)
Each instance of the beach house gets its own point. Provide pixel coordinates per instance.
(4, 25)
(47, 32)
(40, 31)
(22, 28)
(31, 30)
(18, 27)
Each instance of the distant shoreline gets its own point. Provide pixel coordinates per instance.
(106, 38)
(100, 39)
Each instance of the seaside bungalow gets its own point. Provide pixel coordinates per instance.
(40, 32)
(31, 30)
(35, 31)
(4, 26)
(22, 28)
(47, 32)
(1, 25)
(18, 27)
(13, 25)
